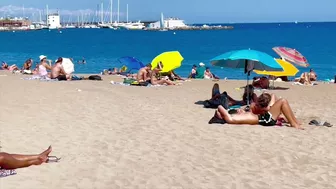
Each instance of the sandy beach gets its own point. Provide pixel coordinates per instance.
(113, 136)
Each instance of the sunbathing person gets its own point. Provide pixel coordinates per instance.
(11, 68)
(155, 80)
(144, 73)
(260, 82)
(172, 76)
(225, 100)
(27, 65)
(57, 71)
(269, 118)
(15, 161)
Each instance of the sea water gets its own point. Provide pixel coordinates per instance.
(102, 47)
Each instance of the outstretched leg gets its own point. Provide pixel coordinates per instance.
(15, 161)
(282, 106)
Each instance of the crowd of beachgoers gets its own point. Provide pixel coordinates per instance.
(266, 109)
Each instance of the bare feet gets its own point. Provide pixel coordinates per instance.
(43, 157)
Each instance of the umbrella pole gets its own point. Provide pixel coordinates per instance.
(247, 91)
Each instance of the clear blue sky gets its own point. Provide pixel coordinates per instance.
(215, 11)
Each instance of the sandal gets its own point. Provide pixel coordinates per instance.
(317, 123)
(53, 159)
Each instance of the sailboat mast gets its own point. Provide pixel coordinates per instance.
(102, 13)
(111, 12)
(118, 10)
(47, 16)
(40, 16)
(23, 11)
(127, 13)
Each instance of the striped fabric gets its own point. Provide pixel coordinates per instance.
(291, 55)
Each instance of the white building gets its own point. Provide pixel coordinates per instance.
(169, 23)
(54, 21)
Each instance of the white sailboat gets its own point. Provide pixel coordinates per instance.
(162, 23)
(132, 25)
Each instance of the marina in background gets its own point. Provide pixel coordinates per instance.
(100, 19)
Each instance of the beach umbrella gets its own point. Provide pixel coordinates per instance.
(68, 65)
(170, 61)
(248, 60)
(288, 70)
(291, 55)
(130, 64)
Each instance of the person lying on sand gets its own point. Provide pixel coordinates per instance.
(225, 100)
(154, 77)
(11, 68)
(144, 73)
(57, 71)
(15, 161)
(172, 76)
(269, 118)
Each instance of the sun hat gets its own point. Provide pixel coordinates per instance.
(42, 57)
(201, 64)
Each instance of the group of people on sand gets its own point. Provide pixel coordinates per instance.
(201, 72)
(43, 69)
(266, 109)
(155, 77)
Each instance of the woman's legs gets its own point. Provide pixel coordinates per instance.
(244, 118)
(282, 106)
(15, 161)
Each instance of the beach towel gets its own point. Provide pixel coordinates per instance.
(6, 173)
(39, 78)
(298, 83)
(127, 84)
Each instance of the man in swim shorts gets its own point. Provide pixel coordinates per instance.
(57, 71)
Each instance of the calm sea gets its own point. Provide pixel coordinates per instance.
(102, 47)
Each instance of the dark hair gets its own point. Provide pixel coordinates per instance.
(60, 59)
(194, 65)
(207, 68)
(29, 60)
(264, 99)
(149, 65)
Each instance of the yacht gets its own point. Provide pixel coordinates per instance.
(133, 26)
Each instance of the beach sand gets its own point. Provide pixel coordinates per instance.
(113, 136)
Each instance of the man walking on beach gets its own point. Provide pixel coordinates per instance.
(57, 71)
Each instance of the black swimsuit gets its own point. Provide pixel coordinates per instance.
(266, 119)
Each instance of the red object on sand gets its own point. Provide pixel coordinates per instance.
(291, 55)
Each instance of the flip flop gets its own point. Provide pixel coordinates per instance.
(317, 123)
(53, 159)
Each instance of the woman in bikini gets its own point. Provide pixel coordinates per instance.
(268, 118)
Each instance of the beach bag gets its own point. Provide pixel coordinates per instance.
(95, 77)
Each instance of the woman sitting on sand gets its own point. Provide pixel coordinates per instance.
(269, 118)
(307, 78)
(27, 66)
(15, 161)
(43, 67)
(154, 77)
